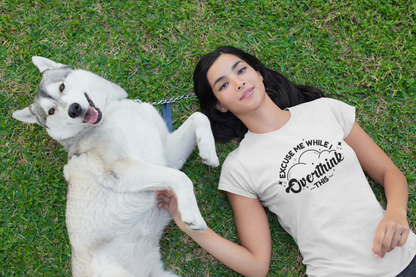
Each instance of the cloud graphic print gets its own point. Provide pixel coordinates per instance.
(311, 167)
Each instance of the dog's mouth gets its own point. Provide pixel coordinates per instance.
(93, 114)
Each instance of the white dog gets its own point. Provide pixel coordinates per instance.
(119, 153)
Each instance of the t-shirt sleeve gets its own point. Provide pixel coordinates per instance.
(235, 179)
(343, 113)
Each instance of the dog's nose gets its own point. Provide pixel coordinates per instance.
(75, 110)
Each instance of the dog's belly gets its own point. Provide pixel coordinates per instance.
(102, 223)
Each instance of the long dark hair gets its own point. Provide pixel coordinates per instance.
(226, 126)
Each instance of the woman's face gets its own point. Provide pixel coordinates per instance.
(236, 85)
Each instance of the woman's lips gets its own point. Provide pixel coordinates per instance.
(247, 93)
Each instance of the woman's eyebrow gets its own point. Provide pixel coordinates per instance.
(235, 65)
(219, 79)
(222, 77)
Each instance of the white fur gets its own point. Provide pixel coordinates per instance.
(113, 171)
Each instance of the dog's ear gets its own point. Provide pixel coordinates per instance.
(25, 115)
(44, 64)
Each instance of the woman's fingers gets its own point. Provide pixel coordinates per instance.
(403, 237)
(164, 195)
(388, 236)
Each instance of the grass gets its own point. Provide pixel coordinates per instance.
(363, 50)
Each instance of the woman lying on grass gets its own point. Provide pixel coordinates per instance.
(303, 160)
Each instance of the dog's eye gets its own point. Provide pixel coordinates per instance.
(61, 87)
(51, 111)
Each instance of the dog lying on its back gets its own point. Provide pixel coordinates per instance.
(119, 153)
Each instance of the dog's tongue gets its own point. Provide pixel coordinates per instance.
(91, 115)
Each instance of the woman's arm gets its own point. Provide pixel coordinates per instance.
(252, 257)
(393, 229)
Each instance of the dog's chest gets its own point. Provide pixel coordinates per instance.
(141, 133)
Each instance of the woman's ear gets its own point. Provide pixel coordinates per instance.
(219, 107)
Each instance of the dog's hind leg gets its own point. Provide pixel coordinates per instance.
(196, 130)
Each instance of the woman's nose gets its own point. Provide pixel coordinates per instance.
(240, 83)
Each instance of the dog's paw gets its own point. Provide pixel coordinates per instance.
(205, 140)
(208, 157)
(206, 146)
(194, 222)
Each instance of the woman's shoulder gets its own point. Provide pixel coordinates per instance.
(232, 162)
(238, 155)
(322, 104)
(327, 111)
(323, 101)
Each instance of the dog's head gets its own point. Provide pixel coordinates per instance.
(68, 101)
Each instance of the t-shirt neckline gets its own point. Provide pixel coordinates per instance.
(276, 132)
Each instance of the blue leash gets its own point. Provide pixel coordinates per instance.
(166, 108)
(167, 115)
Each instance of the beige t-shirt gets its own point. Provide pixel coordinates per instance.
(312, 180)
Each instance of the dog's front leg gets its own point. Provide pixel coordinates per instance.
(196, 130)
(130, 176)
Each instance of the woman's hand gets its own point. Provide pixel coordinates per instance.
(170, 203)
(393, 230)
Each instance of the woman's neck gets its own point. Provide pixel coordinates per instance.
(267, 118)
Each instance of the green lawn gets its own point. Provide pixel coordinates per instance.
(363, 50)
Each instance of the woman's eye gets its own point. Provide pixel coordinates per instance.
(223, 86)
(51, 111)
(242, 70)
(61, 87)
